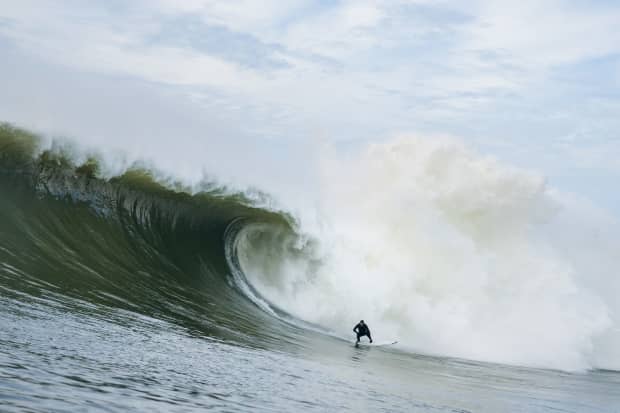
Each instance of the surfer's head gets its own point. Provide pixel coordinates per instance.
(361, 321)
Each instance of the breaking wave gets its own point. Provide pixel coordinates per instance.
(449, 252)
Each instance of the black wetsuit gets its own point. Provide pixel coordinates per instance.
(362, 330)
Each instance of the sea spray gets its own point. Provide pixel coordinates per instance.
(445, 250)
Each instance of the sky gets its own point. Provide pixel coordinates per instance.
(221, 84)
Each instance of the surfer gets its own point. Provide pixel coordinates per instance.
(361, 329)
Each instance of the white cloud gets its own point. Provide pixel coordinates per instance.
(255, 17)
(337, 32)
(545, 33)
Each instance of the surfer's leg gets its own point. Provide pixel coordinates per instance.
(358, 338)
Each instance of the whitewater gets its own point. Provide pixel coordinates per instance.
(500, 289)
(450, 253)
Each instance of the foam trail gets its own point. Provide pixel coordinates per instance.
(447, 251)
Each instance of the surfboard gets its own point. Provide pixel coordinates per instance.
(375, 343)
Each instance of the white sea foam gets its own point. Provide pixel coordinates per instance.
(450, 253)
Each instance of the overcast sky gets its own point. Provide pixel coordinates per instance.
(536, 83)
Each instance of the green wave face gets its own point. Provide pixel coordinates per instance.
(127, 242)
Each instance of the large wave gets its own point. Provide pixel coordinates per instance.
(449, 252)
(130, 241)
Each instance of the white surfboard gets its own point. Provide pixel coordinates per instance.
(376, 343)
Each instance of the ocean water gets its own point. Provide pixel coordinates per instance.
(127, 293)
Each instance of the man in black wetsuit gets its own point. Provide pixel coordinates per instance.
(361, 329)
